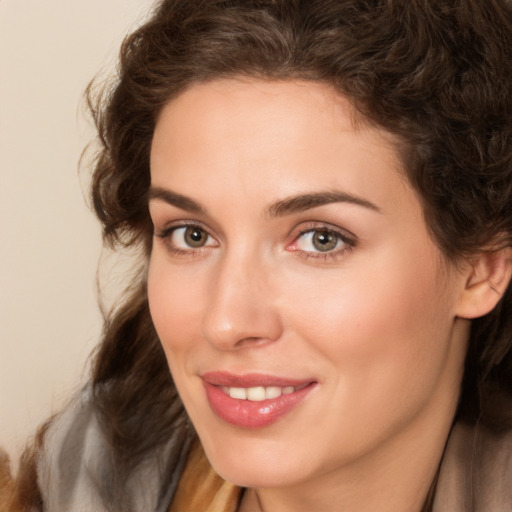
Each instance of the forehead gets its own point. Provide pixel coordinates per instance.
(309, 106)
(272, 138)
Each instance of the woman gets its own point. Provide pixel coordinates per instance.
(321, 192)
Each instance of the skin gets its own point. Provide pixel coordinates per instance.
(375, 321)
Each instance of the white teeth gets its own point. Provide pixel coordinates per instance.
(240, 393)
(273, 392)
(258, 393)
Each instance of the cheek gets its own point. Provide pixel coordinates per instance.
(380, 326)
(175, 307)
(173, 302)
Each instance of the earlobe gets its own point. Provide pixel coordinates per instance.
(487, 280)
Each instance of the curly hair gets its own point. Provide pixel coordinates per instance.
(435, 73)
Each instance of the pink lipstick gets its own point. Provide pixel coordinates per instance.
(253, 400)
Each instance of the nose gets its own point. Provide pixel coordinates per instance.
(241, 309)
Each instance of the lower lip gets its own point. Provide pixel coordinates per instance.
(249, 414)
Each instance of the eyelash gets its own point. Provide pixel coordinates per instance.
(348, 240)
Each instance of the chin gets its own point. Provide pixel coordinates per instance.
(256, 464)
(256, 476)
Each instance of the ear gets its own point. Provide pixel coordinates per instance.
(487, 279)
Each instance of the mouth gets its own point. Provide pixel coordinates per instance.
(252, 400)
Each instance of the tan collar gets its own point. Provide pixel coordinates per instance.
(202, 490)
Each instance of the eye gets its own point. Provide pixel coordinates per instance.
(183, 240)
(321, 240)
(322, 243)
(189, 237)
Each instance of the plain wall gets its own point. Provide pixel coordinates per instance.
(50, 241)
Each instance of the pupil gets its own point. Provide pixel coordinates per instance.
(194, 237)
(324, 241)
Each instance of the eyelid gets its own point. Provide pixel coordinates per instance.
(169, 227)
(307, 227)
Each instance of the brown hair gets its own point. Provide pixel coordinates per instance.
(436, 73)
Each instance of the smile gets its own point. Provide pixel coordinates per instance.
(237, 400)
(258, 393)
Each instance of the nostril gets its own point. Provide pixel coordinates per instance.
(253, 340)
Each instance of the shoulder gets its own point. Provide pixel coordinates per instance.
(476, 472)
(69, 459)
(77, 467)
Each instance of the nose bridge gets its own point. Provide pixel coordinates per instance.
(240, 309)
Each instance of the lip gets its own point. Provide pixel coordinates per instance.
(246, 413)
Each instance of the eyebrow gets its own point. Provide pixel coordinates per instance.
(175, 199)
(304, 202)
(287, 206)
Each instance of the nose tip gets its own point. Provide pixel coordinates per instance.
(240, 312)
(241, 320)
(242, 333)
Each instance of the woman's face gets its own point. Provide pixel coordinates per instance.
(308, 319)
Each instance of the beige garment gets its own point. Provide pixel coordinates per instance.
(476, 472)
(475, 476)
(202, 490)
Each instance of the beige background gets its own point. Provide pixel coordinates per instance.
(50, 241)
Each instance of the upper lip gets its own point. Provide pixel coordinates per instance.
(249, 380)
